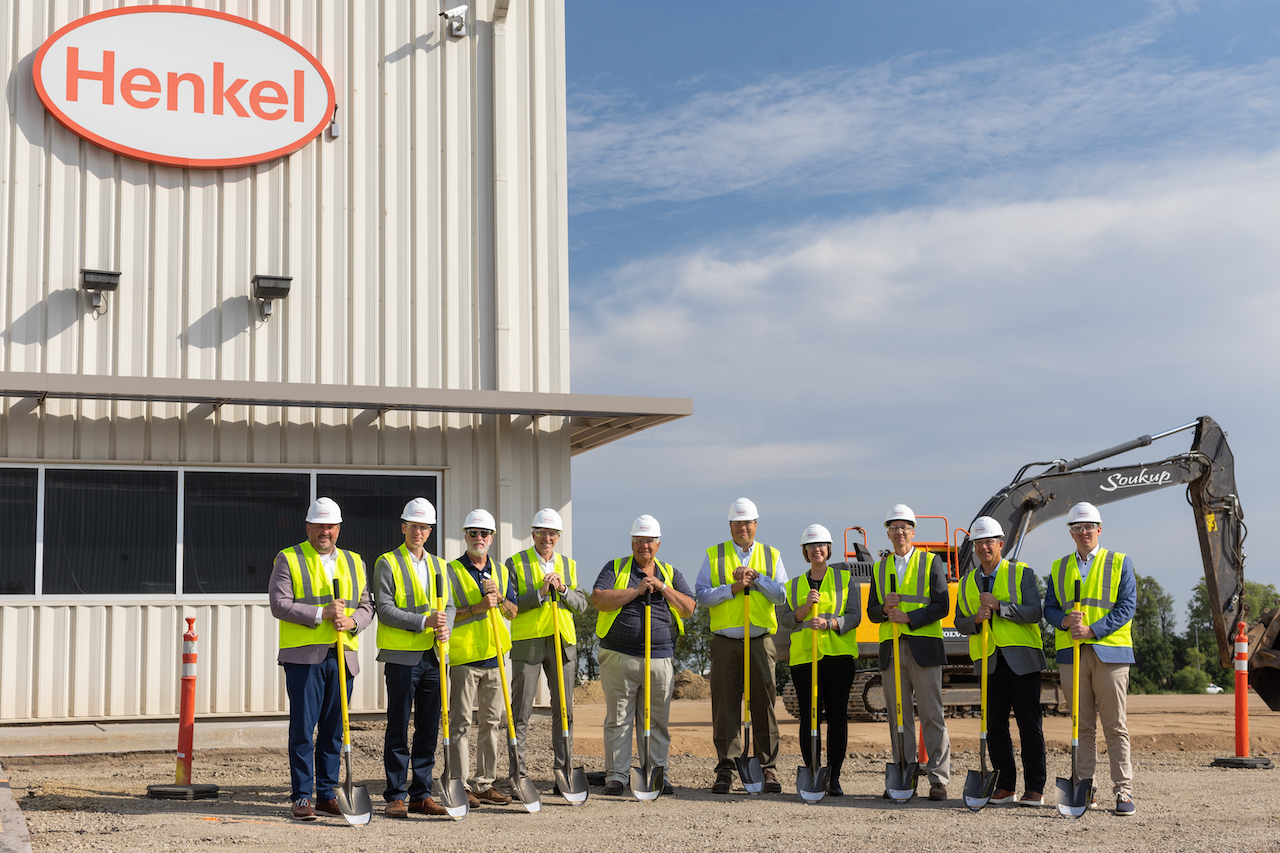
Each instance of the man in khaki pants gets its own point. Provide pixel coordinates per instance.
(1100, 621)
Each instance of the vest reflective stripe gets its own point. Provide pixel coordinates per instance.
(913, 593)
(728, 614)
(604, 618)
(529, 624)
(312, 586)
(411, 596)
(831, 600)
(1004, 633)
(472, 637)
(1098, 594)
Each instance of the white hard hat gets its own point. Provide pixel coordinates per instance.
(743, 510)
(419, 510)
(900, 512)
(548, 518)
(324, 511)
(816, 534)
(646, 526)
(479, 519)
(1083, 511)
(985, 527)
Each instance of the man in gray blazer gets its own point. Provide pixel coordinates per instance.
(1003, 596)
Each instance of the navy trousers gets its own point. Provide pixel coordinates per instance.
(413, 689)
(1020, 693)
(314, 699)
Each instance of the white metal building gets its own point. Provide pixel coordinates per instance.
(157, 450)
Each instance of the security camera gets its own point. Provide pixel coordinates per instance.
(457, 20)
(455, 12)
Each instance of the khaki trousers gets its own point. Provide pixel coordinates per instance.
(923, 686)
(466, 685)
(1103, 689)
(726, 701)
(622, 677)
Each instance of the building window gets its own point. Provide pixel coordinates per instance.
(371, 506)
(234, 523)
(18, 530)
(110, 531)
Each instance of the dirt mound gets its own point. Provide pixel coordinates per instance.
(588, 694)
(690, 685)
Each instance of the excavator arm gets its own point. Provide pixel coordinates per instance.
(1208, 471)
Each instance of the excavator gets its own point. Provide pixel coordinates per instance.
(1207, 470)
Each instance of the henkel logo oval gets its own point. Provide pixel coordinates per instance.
(183, 87)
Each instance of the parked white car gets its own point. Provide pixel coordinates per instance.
(1213, 688)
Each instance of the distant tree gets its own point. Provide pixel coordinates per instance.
(584, 624)
(693, 650)
(1152, 631)
(1199, 633)
(1190, 680)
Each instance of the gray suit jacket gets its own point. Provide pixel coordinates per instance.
(539, 648)
(384, 599)
(927, 651)
(1027, 610)
(286, 608)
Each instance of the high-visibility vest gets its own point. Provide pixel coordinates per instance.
(410, 596)
(913, 593)
(527, 567)
(831, 592)
(311, 585)
(724, 561)
(472, 637)
(1007, 586)
(621, 575)
(1098, 594)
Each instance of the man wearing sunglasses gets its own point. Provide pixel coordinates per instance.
(478, 583)
(1100, 620)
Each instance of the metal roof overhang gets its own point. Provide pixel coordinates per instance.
(594, 419)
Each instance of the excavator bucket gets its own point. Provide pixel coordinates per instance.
(1264, 658)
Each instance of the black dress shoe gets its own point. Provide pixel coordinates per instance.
(613, 788)
(834, 789)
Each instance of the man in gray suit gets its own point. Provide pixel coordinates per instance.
(1004, 596)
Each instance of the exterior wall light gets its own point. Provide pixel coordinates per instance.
(97, 282)
(269, 287)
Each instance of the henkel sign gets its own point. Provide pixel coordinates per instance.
(183, 87)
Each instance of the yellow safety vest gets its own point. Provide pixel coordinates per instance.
(1007, 586)
(728, 614)
(313, 586)
(527, 567)
(621, 578)
(472, 637)
(831, 592)
(913, 593)
(410, 596)
(1098, 594)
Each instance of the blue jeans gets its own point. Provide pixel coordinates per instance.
(416, 689)
(313, 698)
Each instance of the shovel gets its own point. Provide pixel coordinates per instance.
(748, 764)
(453, 797)
(811, 781)
(521, 788)
(646, 782)
(353, 800)
(1074, 793)
(900, 779)
(573, 784)
(979, 786)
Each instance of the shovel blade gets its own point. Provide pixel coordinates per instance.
(1074, 797)
(978, 788)
(453, 798)
(573, 786)
(354, 803)
(522, 789)
(752, 775)
(811, 785)
(900, 780)
(642, 783)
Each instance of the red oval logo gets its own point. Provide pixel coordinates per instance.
(183, 87)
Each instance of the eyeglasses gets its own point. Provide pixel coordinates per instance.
(546, 532)
(417, 528)
(479, 534)
(898, 528)
(1083, 527)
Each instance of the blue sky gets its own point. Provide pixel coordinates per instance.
(893, 251)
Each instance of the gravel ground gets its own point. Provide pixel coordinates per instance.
(98, 802)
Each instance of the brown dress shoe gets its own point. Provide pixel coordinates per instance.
(329, 806)
(301, 809)
(494, 796)
(723, 783)
(473, 802)
(937, 792)
(427, 806)
(771, 783)
(396, 809)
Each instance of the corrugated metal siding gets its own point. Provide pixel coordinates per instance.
(427, 248)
